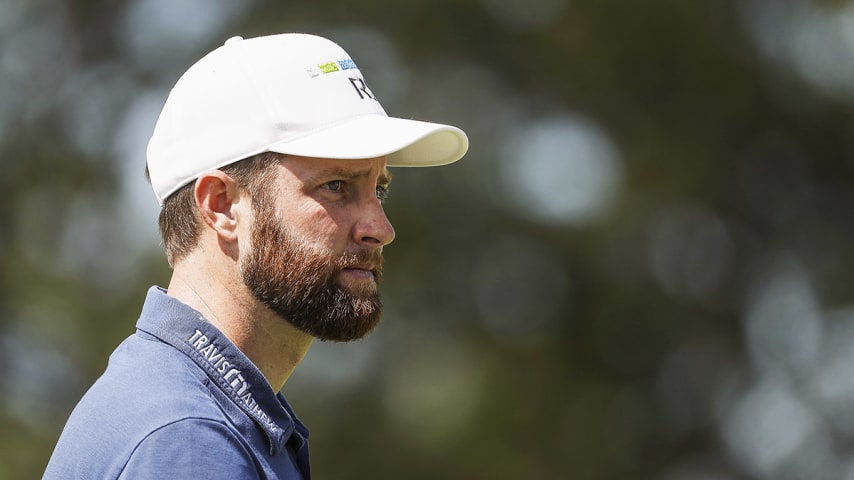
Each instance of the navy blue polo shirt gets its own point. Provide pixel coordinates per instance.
(179, 400)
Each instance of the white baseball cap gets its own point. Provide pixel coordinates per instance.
(291, 93)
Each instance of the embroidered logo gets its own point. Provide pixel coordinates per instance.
(233, 377)
(329, 67)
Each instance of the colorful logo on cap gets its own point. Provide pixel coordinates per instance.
(329, 67)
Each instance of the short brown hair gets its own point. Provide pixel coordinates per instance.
(180, 222)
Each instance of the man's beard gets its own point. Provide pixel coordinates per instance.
(297, 282)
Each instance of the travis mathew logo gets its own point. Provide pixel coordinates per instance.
(241, 389)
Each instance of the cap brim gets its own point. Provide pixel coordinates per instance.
(404, 143)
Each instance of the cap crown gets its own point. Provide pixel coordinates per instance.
(248, 95)
(291, 93)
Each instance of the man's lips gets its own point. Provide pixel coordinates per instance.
(366, 272)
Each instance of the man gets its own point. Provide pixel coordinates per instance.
(269, 160)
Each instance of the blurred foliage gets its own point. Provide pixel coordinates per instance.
(695, 327)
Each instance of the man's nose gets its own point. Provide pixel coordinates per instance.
(373, 227)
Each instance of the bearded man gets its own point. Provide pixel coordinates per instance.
(269, 160)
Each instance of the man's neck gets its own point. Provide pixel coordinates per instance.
(270, 342)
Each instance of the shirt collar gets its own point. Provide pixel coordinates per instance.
(188, 331)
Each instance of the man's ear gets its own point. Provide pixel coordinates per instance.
(217, 195)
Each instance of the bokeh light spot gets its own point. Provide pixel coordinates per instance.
(563, 170)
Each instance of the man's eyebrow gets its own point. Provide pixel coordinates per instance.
(350, 174)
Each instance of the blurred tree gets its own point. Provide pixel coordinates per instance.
(693, 323)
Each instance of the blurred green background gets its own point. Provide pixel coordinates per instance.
(641, 270)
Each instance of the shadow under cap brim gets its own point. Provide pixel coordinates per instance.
(404, 143)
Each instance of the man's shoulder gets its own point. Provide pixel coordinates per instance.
(149, 389)
(147, 383)
(181, 448)
(151, 380)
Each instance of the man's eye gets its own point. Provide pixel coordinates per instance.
(382, 193)
(335, 185)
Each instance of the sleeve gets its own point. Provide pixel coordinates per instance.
(191, 448)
